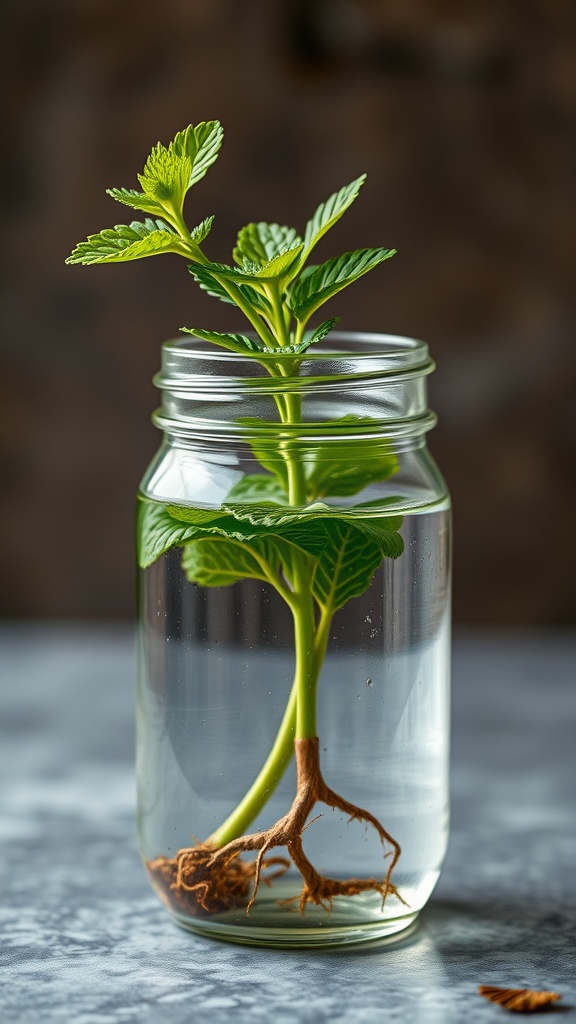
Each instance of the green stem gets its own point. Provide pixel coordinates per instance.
(299, 720)
(304, 619)
(306, 667)
(257, 322)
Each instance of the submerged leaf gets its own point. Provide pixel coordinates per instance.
(344, 466)
(219, 562)
(257, 487)
(346, 565)
(157, 531)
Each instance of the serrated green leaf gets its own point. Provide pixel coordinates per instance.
(233, 342)
(157, 531)
(137, 200)
(171, 170)
(385, 533)
(317, 333)
(271, 515)
(261, 242)
(165, 177)
(264, 513)
(219, 562)
(329, 212)
(346, 565)
(282, 265)
(318, 284)
(126, 242)
(213, 287)
(309, 536)
(216, 270)
(161, 527)
(185, 144)
(209, 136)
(196, 516)
(274, 270)
(201, 230)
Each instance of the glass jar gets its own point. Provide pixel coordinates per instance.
(294, 609)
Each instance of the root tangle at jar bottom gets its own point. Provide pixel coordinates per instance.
(202, 880)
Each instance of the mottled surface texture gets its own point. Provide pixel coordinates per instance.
(84, 939)
(464, 117)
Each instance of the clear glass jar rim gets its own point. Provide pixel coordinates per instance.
(189, 362)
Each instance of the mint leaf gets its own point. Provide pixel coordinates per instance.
(260, 243)
(213, 287)
(219, 562)
(346, 565)
(200, 232)
(213, 521)
(127, 242)
(137, 200)
(157, 531)
(281, 265)
(314, 335)
(161, 527)
(233, 342)
(196, 516)
(343, 467)
(275, 269)
(329, 212)
(166, 176)
(257, 487)
(171, 170)
(209, 136)
(267, 451)
(185, 144)
(318, 284)
(272, 515)
(310, 537)
(267, 514)
(384, 532)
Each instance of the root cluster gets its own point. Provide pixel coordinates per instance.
(202, 880)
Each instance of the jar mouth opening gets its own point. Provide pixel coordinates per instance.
(394, 351)
(189, 364)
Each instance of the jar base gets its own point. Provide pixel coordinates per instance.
(351, 921)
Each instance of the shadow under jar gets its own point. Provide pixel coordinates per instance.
(294, 609)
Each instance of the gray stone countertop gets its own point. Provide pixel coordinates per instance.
(85, 941)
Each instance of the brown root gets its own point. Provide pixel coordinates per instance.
(190, 883)
(204, 880)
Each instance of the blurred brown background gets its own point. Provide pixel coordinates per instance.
(464, 117)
